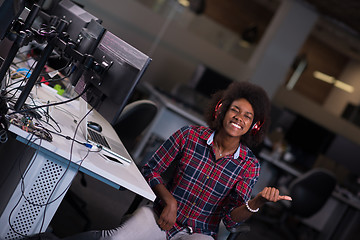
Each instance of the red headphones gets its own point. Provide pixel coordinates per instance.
(256, 127)
(217, 107)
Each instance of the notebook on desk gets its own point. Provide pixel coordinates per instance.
(110, 148)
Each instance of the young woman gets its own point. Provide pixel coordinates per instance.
(214, 176)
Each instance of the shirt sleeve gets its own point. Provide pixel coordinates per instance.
(242, 191)
(164, 156)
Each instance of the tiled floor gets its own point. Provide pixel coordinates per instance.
(105, 206)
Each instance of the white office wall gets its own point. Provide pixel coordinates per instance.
(277, 50)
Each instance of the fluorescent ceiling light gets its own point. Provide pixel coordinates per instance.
(244, 43)
(185, 3)
(337, 83)
(344, 86)
(324, 77)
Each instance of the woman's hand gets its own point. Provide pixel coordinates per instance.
(168, 215)
(167, 218)
(270, 194)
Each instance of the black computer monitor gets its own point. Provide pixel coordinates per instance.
(10, 10)
(121, 67)
(87, 41)
(307, 140)
(85, 32)
(207, 81)
(107, 66)
(77, 17)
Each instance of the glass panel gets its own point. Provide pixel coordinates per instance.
(235, 27)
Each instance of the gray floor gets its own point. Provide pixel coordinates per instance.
(105, 207)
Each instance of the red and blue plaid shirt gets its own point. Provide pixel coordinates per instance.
(206, 189)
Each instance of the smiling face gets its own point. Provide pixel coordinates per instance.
(239, 117)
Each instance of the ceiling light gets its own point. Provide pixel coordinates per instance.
(344, 86)
(244, 43)
(185, 3)
(337, 83)
(300, 67)
(324, 77)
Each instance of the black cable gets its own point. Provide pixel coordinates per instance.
(70, 138)
(24, 79)
(70, 159)
(67, 167)
(48, 117)
(51, 125)
(3, 136)
(15, 64)
(23, 175)
(52, 104)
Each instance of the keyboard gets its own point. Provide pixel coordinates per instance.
(98, 138)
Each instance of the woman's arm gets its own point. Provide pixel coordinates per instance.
(268, 194)
(167, 217)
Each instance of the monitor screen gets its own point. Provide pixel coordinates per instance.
(345, 152)
(111, 89)
(207, 81)
(307, 140)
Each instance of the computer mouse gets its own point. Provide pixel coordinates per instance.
(95, 126)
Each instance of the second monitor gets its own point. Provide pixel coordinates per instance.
(111, 89)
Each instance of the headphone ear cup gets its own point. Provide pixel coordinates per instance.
(256, 128)
(217, 109)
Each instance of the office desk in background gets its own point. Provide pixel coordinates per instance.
(171, 116)
(329, 220)
(31, 198)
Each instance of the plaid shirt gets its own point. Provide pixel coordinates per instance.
(206, 189)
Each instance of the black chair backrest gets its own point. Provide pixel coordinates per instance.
(311, 191)
(133, 120)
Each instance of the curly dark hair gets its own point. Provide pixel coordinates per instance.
(259, 101)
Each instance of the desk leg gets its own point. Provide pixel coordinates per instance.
(36, 197)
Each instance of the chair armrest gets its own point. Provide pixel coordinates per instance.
(240, 229)
(235, 231)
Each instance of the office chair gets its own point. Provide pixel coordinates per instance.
(133, 120)
(309, 193)
(236, 232)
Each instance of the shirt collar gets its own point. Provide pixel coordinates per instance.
(210, 140)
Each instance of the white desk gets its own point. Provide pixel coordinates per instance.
(50, 173)
(280, 164)
(171, 116)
